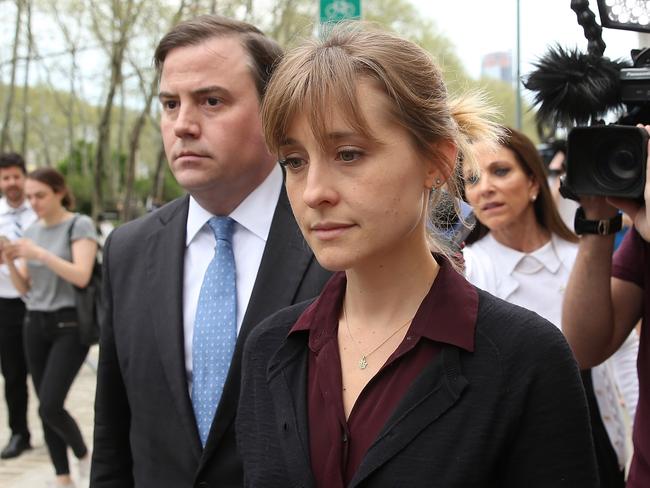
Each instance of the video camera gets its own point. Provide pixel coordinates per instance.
(577, 89)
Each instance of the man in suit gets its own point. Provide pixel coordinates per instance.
(213, 72)
(15, 216)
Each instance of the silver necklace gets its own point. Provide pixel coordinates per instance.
(363, 361)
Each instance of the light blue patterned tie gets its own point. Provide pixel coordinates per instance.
(215, 328)
(17, 227)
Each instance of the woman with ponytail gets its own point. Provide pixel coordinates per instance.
(400, 373)
(56, 254)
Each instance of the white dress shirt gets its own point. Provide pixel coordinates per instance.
(252, 224)
(13, 222)
(537, 281)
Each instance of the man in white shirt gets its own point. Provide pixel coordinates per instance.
(213, 72)
(15, 216)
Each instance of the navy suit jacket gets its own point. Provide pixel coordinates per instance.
(145, 430)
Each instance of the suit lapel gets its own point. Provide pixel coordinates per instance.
(284, 262)
(165, 263)
(287, 379)
(436, 390)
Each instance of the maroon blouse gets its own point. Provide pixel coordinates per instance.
(446, 315)
(631, 264)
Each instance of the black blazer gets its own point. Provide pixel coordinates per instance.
(511, 414)
(145, 431)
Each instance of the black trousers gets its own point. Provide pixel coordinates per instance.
(611, 476)
(12, 363)
(54, 356)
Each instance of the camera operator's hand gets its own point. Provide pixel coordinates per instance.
(638, 212)
(597, 208)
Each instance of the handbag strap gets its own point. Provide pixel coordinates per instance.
(74, 220)
(71, 228)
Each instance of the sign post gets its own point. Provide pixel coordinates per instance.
(338, 10)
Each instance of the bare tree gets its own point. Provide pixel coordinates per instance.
(4, 135)
(138, 126)
(25, 110)
(291, 20)
(72, 39)
(134, 143)
(42, 130)
(115, 171)
(123, 16)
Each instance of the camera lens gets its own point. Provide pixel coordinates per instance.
(619, 166)
(607, 160)
(623, 164)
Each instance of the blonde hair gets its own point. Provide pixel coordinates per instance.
(318, 72)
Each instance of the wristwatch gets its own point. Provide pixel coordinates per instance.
(603, 227)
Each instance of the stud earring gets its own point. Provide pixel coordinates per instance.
(533, 198)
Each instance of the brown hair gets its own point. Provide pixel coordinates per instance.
(56, 181)
(12, 160)
(312, 76)
(531, 163)
(264, 52)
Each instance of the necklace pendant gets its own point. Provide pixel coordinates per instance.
(363, 363)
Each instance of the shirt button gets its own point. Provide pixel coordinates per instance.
(345, 437)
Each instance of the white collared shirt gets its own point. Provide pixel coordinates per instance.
(534, 280)
(252, 225)
(25, 216)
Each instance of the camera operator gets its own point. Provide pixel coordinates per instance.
(606, 297)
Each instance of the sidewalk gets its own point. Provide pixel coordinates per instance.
(33, 469)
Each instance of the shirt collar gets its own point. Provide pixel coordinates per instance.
(509, 258)
(447, 314)
(254, 213)
(5, 208)
(547, 255)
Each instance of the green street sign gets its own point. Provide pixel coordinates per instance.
(337, 10)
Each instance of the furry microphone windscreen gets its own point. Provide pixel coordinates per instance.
(574, 88)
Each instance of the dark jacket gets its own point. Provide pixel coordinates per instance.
(145, 431)
(511, 414)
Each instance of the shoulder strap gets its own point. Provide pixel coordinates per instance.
(74, 219)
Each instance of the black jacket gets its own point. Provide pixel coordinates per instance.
(511, 414)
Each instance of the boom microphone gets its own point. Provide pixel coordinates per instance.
(574, 88)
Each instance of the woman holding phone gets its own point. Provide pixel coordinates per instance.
(57, 253)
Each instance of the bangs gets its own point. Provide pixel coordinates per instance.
(317, 81)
